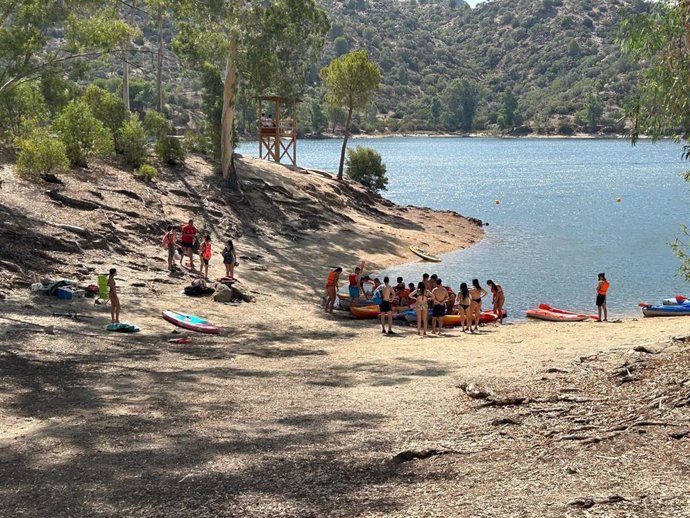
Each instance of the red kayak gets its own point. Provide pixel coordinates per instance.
(546, 312)
(191, 322)
(485, 317)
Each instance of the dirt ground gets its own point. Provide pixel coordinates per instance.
(291, 412)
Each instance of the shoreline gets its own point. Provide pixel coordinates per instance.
(476, 135)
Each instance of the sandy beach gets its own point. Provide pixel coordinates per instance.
(293, 412)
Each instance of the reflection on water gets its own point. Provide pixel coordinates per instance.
(558, 223)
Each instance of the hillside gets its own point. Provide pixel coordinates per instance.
(556, 59)
(284, 217)
(552, 54)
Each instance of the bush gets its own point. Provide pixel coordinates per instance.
(20, 108)
(196, 142)
(364, 165)
(84, 136)
(107, 108)
(41, 154)
(168, 146)
(146, 172)
(133, 141)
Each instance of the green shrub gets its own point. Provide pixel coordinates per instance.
(41, 154)
(146, 172)
(107, 108)
(20, 109)
(196, 142)
(168, 147)
(84, 136)
(364, 165)
(133, 141)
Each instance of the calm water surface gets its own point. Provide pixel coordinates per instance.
(558, 223)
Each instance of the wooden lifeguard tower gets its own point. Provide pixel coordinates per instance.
(277, 123)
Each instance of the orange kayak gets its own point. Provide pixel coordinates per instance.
(485, 317)
(365, 311)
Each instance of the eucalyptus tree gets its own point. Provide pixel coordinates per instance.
(260, 46)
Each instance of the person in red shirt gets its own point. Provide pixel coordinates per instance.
(187, 241)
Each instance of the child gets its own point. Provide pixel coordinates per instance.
(205, 256)
(170, 244)
(112, 295)
(229, 259)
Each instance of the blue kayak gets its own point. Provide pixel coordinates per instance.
(676, 310)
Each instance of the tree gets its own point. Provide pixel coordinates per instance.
(27, 50)
(508, 112)
(462, 97)
(350, 81)
(133, 141)
(364, 165)
(20, 107)
(660, 39)
(592, 111)
(436, 108)
(267, 47)
(107, 108)
(317, 117)
(83, 134)
(341, 45)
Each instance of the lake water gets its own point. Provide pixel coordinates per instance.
(558, 223)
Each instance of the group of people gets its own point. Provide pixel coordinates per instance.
(429, 295)
(188, 244)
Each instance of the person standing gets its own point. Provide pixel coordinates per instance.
(205, 256)
(476, 295)
(114, 299)
(386, 306)
(421, 296)
(354, 280)
(187, 241)
(499, 299)
(332, 288)
(602, 288)
(464, 301)
(170, 244)
(229, 259)
(440, 299)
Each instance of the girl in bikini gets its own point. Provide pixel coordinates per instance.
(498, 299)
(464, 300)
(476, 295)
(421, 296)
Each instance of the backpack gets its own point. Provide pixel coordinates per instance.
(228, 255)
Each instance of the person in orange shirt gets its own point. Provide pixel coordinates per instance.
(205, 256)
(332, 288)
(602, 288)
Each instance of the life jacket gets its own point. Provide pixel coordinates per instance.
(206, 250)
(331, 279)
(603, 288)
(166, 240)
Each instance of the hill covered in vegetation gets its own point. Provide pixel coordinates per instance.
(547, 65)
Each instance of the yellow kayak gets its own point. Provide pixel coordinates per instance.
(425, 255)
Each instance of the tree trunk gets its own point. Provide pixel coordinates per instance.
(342, 151)
(159, 69)
(228, 117)
(125, 60)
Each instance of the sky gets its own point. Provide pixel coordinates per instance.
(474, 2)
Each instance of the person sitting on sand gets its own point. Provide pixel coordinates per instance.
(187, 241)
(205, 256)
(421, 296)
(386, 306)
(440, 298)
(476, 295)
(499, 299)
(114, 299)
(354, 281)
(332, 288)
(463, 300)
(602, 287)
(229, 259)
(170, 244)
